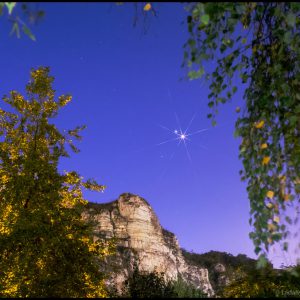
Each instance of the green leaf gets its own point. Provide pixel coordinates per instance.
(210, 95)
(27, 31)
(200, 7)
(262, 262)
(240, 8)
(293, 120)
(252, 235)
(192, 43)
(276, 236)
(291, 19)
(222, 48)
(236, 133)
(10, 6)
(287, 37)
(229, 42)
(1, 8)
(15, 28)
(196, 74)
(288, 220)
(200, 72)
(295, 6)
(205, 19)
(195, 13)
(192, 75)
(257, 250)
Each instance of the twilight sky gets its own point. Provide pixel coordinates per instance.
(126, 88)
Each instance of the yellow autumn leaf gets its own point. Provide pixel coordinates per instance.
(85, 240)
(147, 7)
(270, 194)
(238, 109)
(271, 227)
(276, 219)
(297, 181)
(282, 178)
(4, 178)
(260, 124)
(264, 146)
(269, 205)
(270, 241)
(40, 263)
(286, 197)
(266, 160)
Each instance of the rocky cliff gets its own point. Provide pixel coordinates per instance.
(141, 240)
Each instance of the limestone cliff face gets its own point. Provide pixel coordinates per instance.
(142, 240)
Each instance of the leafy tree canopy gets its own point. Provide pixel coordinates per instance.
(46, 248)
(147, 285)
(154, 285)
(259, 41)
(262, 283)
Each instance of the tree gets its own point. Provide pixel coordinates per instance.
(147, 285)
(46, 248)
(259, 41)
(154, 285)
(182, 289)
(262, 283)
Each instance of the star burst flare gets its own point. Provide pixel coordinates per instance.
(182, 136)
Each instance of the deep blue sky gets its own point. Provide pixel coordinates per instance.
(125, 87)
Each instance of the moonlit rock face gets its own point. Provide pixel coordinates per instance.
(142, 240)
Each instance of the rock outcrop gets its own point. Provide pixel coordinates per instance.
(141, 240)
(220, 274)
